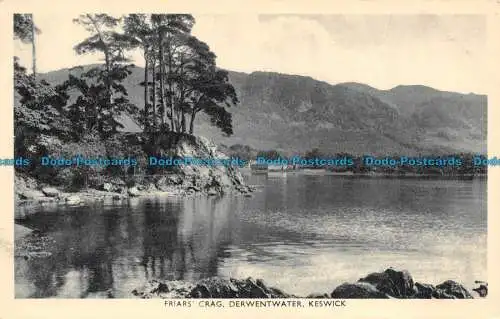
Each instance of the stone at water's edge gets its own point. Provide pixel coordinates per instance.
(212, 192)
(73, 200)
(394, 283)
(210, 288)
(384, 285)
(424, 291)
(134, 192)
(175, 180)
(108, 187)
(233, 288)
(399, 284)
(454, 289)
(359, 290)
(31, 194)
(50, 191)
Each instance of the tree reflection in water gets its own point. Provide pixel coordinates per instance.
(99, 251)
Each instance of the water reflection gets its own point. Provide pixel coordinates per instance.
(302, 234)
(106, 251)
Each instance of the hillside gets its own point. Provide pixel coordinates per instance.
(297, 113)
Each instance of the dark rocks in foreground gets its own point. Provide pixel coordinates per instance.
(384, 285)
(211, 288)
(399, 284)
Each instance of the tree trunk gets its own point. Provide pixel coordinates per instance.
(146, 91)
(181, 104)
(162, 88)
(154, 95)
(33, 46)
(191, 124)
(108, 77)
(170, 91)
(178, 122)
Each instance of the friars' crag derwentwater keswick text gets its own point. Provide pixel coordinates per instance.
(323, 190)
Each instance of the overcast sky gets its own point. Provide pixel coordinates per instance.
(445, 52)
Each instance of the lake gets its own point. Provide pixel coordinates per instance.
(303, 234)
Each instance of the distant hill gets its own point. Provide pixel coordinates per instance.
(296, 113)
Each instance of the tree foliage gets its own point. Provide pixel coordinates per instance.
(23, 27)
(185, 79)
(25, 31)
(103, 97)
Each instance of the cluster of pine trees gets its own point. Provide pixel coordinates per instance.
(181, 78)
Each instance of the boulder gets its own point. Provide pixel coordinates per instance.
(134, 192)
(214, 288)
(222, 288)
(73, 200)
(50, 191)
(424, 291)
(117, 196)
(31, 194)
(454, 289)
(359, 290)
(212, 192)
(482, 290)
(153, 287)
(250, 288)
(108, 187)
(398, 284)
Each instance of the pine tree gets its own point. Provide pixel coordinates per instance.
(25, 30)
(103, 96)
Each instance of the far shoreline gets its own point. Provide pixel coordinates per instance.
(324, 172)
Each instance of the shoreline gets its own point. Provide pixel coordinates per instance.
(389, 284)
(92, 196)
(324, 172)
(385, 285)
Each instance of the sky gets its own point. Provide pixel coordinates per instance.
(447, 52)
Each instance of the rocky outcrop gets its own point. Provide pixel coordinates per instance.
(214, 287)
(178, 180)
(200, 177)
(134, 192)
(389, 284)
(50, 192)
(73, 200)
(453, 289)
(399, 284)
(233, 288)
(359, 290)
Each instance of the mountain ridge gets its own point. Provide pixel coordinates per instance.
(295, 113)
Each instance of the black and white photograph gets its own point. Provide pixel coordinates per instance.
(321, 156)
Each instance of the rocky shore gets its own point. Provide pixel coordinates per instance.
(179, 181)
(172, 186)
(389, 284)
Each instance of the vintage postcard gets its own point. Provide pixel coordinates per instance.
(278, 158)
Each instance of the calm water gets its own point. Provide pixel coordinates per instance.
(303, 234)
